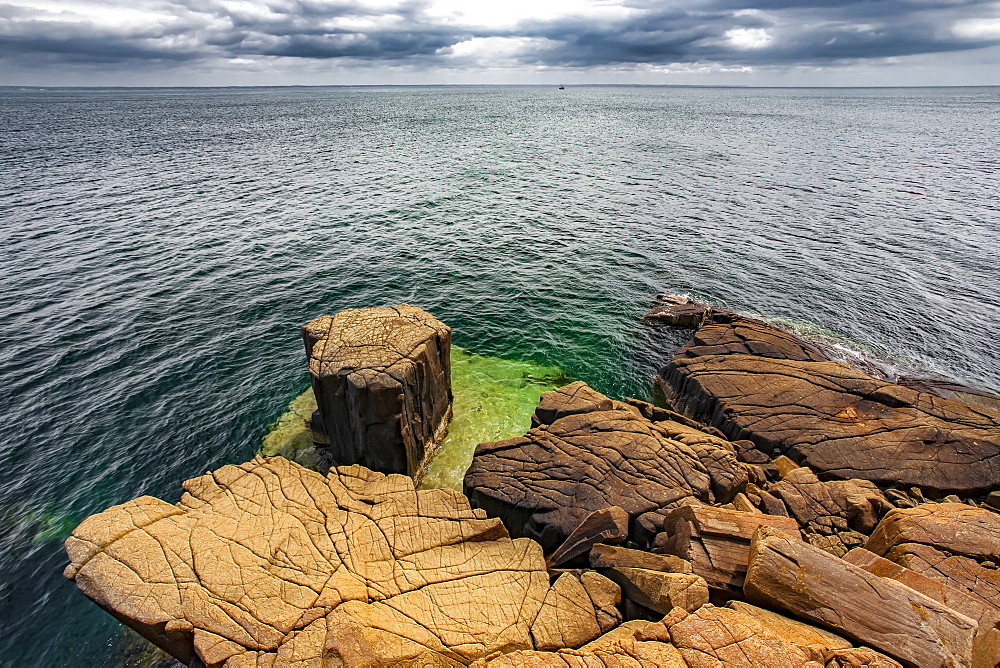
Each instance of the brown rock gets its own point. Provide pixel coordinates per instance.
(607, 525)
(268, 563)
(716, 542)
(677, 311)
(833, 506)
(382, 380)
(994, 499)
(786, 465)
(955, 527)
(544, 484)
(986, 646)
(820, 588)
(613, 556)
(791, 630)
(618, 648)
(954, 570)
(755, 382)
(659, 591)
(565, 619)
(742, 503)
(571, 399)
(711, 636)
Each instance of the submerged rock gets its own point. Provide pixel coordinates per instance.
(588, 453)
(755, 382)
(269, 564)
(382, 380)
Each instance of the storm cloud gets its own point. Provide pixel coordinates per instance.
(266, 37)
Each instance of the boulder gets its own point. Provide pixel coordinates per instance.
(658, 591)
(955, 547)
(792, 575)
(832, 506)
(708, 637)
(986, 646)
(607, 525)
(755, 382)
(716, 542)
(955, 527)
(382, 380)
(955, 570)
(613, 556)
(619, 647)
(584, 456)
(749, 636)
(677, 311)
(267, 563)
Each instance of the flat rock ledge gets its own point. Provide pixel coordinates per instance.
(382, 380)
(588, 453)
(755, 382)
(270, 564)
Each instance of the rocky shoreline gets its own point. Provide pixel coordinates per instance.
(786, 510)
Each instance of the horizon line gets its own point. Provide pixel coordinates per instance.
(486, 85)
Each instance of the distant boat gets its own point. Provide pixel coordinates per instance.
(562, 87)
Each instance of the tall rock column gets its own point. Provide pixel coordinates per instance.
(382, 378)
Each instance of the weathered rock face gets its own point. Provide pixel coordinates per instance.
(716, 542)
(382, 379)
(269, 564)
(589, 453)
(740, 635)
(986, 645)
(955, 527)
(816, 586)
(953, 546)
(757, 383)
(832, 506)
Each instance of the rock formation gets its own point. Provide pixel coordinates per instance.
(755, 382)
(792, 575)
(716, 542)
(740, 635)
(645, 514)
(588, 453)
(269, 564)
(382, 380)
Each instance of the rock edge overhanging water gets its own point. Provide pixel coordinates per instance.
(706, 508)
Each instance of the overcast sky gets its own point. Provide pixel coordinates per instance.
(274, 42)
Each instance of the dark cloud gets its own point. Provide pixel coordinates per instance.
(727, 32)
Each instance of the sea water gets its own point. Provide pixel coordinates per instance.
(161, 249)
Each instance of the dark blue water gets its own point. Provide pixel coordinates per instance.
(161, 249)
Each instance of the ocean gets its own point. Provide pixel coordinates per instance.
(162, 247)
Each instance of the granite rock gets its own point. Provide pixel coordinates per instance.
(382, 380)
(755, 382)
(823, 589)
(270, 564)
(588, 453)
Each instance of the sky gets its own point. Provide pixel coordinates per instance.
(550, 42)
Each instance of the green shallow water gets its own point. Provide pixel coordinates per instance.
(493, 400)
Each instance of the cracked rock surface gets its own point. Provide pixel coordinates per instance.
(270, 564)
(587, 453)
(755, 382)
(382, 379)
